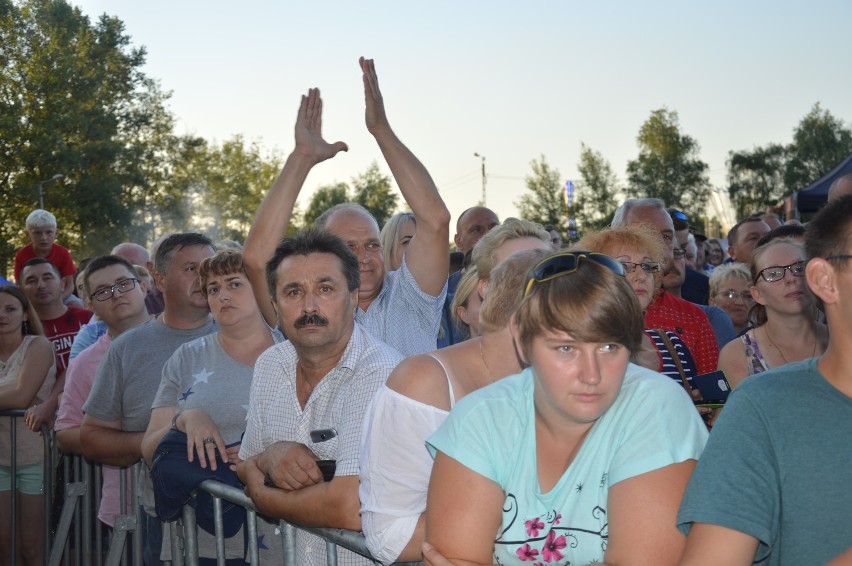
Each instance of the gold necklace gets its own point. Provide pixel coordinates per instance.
(482, 355)
(783, 357)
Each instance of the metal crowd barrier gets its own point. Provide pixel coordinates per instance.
(185, 551)
(14, 415)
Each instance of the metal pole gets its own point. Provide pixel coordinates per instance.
(41, 189)
(482, 157)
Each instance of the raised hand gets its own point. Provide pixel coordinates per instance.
(374, 113)
(309, 140)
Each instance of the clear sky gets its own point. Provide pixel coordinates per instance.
(509, 80)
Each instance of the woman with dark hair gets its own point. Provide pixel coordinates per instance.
(27, 374)
(583, 457)
(784, 317)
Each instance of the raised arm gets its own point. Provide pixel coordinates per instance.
(273, 215)
(428, 253)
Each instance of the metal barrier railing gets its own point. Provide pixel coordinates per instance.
(186, 553)
(14, 415)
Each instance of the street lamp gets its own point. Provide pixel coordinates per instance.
(41, 189)
(482, 157)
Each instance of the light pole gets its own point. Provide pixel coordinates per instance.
(41, 189)
(482, 157)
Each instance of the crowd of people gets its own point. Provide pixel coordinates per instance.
(538, 404)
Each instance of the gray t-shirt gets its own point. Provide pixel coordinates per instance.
(130, 373)
(201, 375)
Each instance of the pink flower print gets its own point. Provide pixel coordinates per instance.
(557, 519)
(527, 553)
(552, 546)
(533, 526)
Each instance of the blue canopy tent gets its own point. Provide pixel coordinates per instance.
(812, 198)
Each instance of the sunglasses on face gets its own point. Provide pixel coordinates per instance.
(777, 272)
(565, 263)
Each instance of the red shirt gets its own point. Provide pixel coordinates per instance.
(58, 256)
(690, 323)
(61, 332)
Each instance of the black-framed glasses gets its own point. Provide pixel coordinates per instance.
(839, 257)
(777, 272)
(565, 263)
(647, 266)
(122, 286)
(732, 295)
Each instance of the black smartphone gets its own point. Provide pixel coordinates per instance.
(322, 435)
(714, 388)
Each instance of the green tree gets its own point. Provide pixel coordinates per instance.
(668, 166)
(546, 202)
(324, 198)
(596, 194)
(756, 178)
(71, 102)
(373, 191)
(820, 142)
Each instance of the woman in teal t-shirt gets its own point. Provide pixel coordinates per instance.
(581, 458)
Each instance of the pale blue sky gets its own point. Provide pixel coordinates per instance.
(510, 80)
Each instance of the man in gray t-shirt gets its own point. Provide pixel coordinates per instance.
(119, 405)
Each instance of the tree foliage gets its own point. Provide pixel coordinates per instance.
(756, 178)
(545, 202)
(668, 166)
(596, 192)
(371, 189)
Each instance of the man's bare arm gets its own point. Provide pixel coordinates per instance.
(106, 443)
(326, 504)
(428, 254)
(274, 213)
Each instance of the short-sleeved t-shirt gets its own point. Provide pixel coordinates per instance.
(58, 256)
(651, 424)
(62, 331)
(778, 467)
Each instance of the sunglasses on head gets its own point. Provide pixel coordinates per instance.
(565, 263)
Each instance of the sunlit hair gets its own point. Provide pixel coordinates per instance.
(465, 288)
(390, 235)
(619, 219)
(510, 229)
(642, 237)
(224, 262)
(32, 325)
(728, 271)
(757, 314)
(721, 247)
(324, 218)
(144, 275)
(41, 219)
(506, 289)
(591, 304)
(102, 262)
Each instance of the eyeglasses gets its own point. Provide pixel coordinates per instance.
(647, 267)
(839, 257)
(107, 293)
(733, 295)
(777, 272)
(565, 263)
(679, 253)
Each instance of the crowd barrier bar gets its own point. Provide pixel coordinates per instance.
(333, 537)
(14, 415)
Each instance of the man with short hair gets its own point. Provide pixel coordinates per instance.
(134, 253)
(309, 395)
(43, 285)
(667, 311)
(743, 237)
(402, 307)
(118, 298)
(694, 286)
(127, 380)
(772, 486)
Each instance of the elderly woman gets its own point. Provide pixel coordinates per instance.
(640, 252)
(730, 290)
(784, 316)
(582, 457)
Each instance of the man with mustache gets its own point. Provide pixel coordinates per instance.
(310, 393)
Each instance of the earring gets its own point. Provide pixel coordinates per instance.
(25, 328)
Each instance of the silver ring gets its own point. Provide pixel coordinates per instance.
(209, 440)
